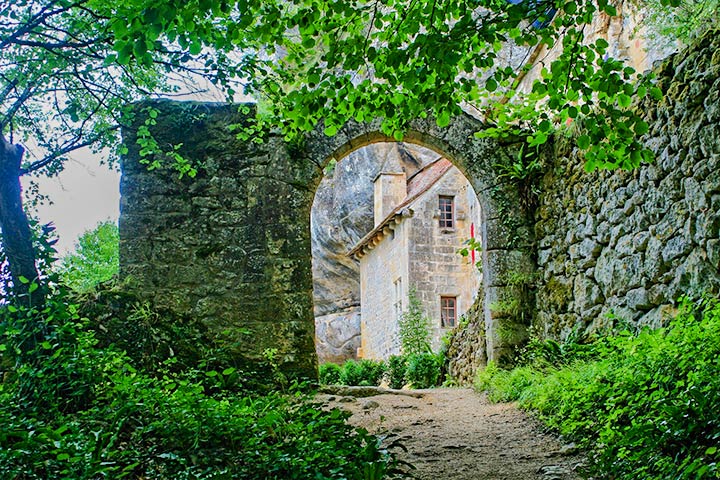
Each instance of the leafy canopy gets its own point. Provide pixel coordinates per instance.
(399, 60)
(69, 68)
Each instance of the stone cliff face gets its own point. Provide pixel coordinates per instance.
(342, 214)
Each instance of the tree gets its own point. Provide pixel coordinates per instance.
(414, 328)
(95, 259)
(68, 71)
(69, 68)
(399, 60)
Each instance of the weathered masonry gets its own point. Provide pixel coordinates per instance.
(622, 247)
(232, 246)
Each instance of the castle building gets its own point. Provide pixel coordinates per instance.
(420, 223)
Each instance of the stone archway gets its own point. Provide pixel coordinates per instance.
(507, 234)
(232, 246)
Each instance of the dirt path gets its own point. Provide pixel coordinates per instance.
(456, 434)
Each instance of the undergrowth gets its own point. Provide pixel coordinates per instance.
(645, 404)
(420, 370)
(72, 407)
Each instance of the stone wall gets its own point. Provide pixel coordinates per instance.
(380, 269)
(230, 247)
(630, 243)
(466, 351)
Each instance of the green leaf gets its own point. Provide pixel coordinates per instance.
(63, 456)
(583, 142)
(711, 451)
(641, 127)
(656, 93)
(195, 48)
(330, 130)
(443, 120)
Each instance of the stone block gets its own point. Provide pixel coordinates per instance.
(674, 248)
(506, 266)
(586, 294)
(638, 299)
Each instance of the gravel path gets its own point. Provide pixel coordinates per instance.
(456, 434)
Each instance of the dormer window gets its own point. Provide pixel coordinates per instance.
(447, 211)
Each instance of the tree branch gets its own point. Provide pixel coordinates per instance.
(45, 161)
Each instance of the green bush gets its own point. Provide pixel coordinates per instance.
(330, 373)
(645, 404)
(363, 372)
(504, 385)
(71, 409)
(423, 370)
(396, 368)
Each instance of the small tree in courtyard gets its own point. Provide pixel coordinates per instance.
(414, 327)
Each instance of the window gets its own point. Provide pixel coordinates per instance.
(446, 212)
(448, 311)
(397, 304)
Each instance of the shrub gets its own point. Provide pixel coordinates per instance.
(414, 328)
(95, 259)
(423, 370)
(330, 373)
(504, 385)
(71, 409)
(645, 404)
(396, 368)
(363, 372)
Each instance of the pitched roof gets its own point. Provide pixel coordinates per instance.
(418, 184)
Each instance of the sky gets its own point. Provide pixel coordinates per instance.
(83, 195)
(86, 193)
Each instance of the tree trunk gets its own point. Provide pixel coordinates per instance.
(16, 234)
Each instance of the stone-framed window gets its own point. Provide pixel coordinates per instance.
(447, 211)
(448, 311)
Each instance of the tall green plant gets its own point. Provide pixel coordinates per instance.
(414, 327)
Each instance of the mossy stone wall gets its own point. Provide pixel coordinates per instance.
(626, 245)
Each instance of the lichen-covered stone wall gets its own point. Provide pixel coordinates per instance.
(466, 350)
(630, 243)
(231, 246)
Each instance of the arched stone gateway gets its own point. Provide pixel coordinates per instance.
(232, 246)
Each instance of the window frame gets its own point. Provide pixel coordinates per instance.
(446, 208)
(445, 307)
